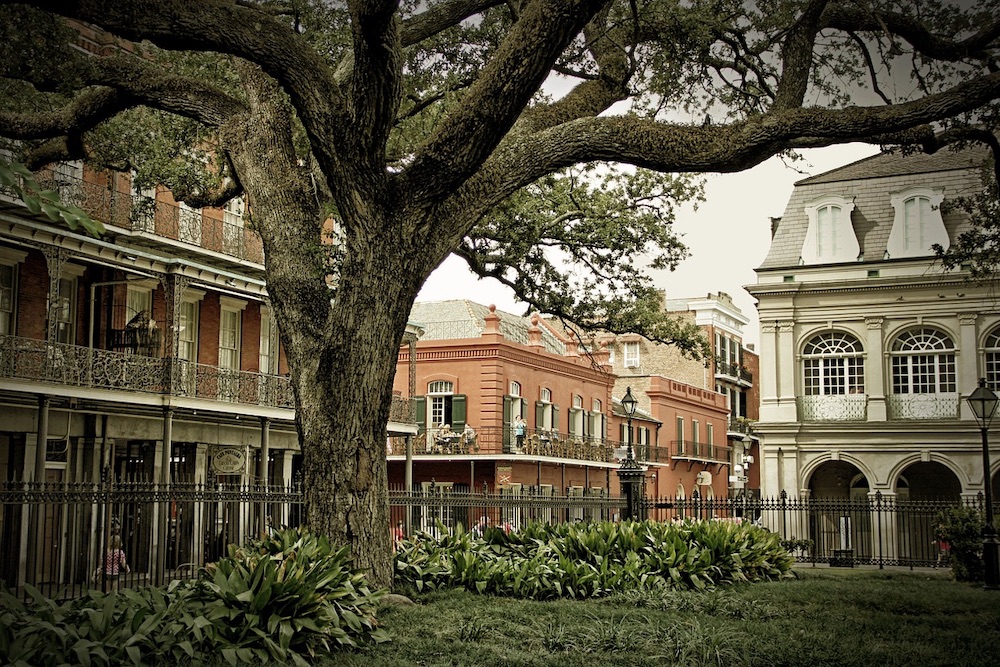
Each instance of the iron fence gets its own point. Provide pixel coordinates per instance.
(55, 536)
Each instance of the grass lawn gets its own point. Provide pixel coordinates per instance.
(826, 617)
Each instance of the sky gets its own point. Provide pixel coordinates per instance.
(727, 237)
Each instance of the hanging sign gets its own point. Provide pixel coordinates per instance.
(229, 461)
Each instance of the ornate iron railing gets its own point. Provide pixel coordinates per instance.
(846, 407)
(493, 441)
(72, 365)
(688, 450)
(36, 360)
(451, 329)
(55, 535)
(139, 213)
(923, 406)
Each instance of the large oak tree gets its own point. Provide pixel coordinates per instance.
(485, 128)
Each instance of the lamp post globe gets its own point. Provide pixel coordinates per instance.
(984, 406)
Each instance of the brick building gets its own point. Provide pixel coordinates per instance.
(714, 434)
(149, 355)
(483, 368)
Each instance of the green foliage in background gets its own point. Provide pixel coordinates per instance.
(962, 528)
(577, 560)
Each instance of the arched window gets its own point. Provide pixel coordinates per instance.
(833, 365)
(439, 395)
(992, 359)
(923, 362)
(917, 223)
(830, 236)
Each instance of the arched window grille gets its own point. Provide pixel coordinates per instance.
(833, 365)
(923, 362)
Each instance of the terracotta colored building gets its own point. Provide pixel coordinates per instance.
(482, 368)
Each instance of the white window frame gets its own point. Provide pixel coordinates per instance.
(833, 364)
(900, 242)
(267, 359)
(630, 353)
(576, 416)
(841, 243)
(924, 365)
(516, 402)
(545, 398)
(439, 392)
(232, 308)
(66, 311)
(232, 225)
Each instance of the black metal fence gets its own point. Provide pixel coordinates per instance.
(57, 537)
(868, 531)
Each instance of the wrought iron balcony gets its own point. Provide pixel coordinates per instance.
(943, 405)
(139, 213)
(494, 441)
(72, 365)
(843, 407)
(733, 371)
(703, 452)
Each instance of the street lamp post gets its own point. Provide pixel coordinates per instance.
(984, 405)
(630, 475)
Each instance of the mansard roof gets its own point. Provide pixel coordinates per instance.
(870, 184)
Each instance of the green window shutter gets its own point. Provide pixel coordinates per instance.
(420, 407)
(507, 419)
(539, 414)
(458, 413)
(555, 418)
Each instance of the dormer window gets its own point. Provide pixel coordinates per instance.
(917, 224)
(830, 236)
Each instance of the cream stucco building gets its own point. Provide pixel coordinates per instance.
(868, 346)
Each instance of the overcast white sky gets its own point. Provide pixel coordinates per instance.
(727, 237)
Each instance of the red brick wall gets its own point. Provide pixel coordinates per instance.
(33, 289)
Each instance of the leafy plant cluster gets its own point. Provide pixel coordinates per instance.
(793, 545)
(286, 598)
(962, 528)
(591, 560)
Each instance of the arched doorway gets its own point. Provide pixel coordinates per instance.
(928, 480)
(838, 480)
(840, 520)
(923, 489)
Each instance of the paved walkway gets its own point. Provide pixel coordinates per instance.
(944, 572)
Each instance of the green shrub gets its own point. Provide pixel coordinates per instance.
(281, 599)
(962, 528)
(575, 560)
(286, 596)
(127, 627)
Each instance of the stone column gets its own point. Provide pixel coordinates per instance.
(968, 362)
(875, 387)
(787, 367)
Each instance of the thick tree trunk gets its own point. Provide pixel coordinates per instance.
(341, 344)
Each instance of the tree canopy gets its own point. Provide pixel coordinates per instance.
(543, 141)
